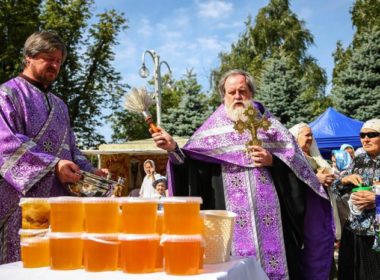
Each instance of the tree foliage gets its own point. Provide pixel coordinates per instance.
(18, 19)
(365, 15)
(191, 111)
(277, 31)
(281, 91)
(358, 92)
(88, 83)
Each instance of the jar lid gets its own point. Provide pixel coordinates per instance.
(65, 199)
(181, 238)
(27, 200)
(89, 200)
(129, 237)
(182, 199)
(137, 200)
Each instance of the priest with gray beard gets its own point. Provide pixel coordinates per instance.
(284, 217)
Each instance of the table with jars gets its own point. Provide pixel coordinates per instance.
(126, 237)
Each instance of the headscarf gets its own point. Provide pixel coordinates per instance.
(314, 151)
(372, 124)
(342, 159)
(151, 163)
(345, 146)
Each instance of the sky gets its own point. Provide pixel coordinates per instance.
(190, 34)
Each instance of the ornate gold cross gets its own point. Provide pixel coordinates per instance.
(250, 121)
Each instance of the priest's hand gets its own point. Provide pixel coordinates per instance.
(260, 156)
(163, 140)
(67, 171)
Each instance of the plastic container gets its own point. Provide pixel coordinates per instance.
(35, 213)
(218, 233)
(138, 252)
(182, 254)
(66, 250)
(66, 214)
(181, 215)
(100, 252)
(138, 215)
(34, 248)
(159, 230)
(101, 214)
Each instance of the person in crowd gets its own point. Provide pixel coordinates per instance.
(283, 213)
(357, 259)
(349, 149)
(160, 186)
(341, 160)
(304, 136)
(147, 190)
(38, 155)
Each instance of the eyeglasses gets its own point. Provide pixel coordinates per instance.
(369, 134)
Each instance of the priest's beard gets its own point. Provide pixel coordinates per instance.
(236, 109)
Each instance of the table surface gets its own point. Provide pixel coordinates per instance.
(237, 268)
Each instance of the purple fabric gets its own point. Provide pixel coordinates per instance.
(32, 141)
(250, 193)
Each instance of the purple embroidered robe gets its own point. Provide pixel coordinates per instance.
(33, 137)
(251, 194)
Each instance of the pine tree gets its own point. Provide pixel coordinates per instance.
(191, 111)
(358, 92)
(277, 29)
(281, 91)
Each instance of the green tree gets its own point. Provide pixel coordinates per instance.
(277, 30)
(281, 91)
(191, 111)
(358, 92)
(365, 15)
(18, 19)
(88, 83)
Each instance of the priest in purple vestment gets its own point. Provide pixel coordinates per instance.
(284, 217)
(38, 154)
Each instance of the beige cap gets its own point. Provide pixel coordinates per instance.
(372, 124)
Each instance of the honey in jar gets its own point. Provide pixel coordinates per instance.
(66, 214)
(138, 215)
(138, 252)
(101, 214)
(100, 252)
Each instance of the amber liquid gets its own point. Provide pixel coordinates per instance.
(182, 258)
(160, 249)
(102, 217)
(66, 217)
(100, 255)
(35, 252)
(138, 256)
(66, 253)
(182, 218)
(139, 217)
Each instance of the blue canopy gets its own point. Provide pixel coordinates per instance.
(332, 129)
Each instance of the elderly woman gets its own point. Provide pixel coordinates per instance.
(304, 136)
(357, 259)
